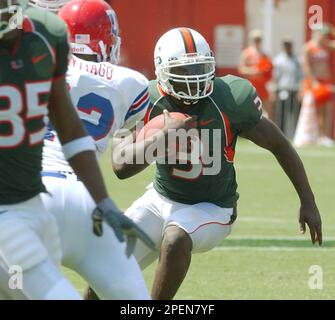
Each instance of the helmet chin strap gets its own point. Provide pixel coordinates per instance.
(103, 57)
(185, 101)
(170, 93)
(189, 102)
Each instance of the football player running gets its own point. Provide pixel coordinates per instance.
(33, 62)
(108, 97)
(191, 207)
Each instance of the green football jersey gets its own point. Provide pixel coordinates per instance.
(27, 72)
(232, 108)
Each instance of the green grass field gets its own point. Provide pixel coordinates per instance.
(265, 257)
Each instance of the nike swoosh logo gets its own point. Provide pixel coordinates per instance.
(38, 58)
(204, 123)
(3, 211)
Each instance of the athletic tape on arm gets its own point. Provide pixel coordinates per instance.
(79, 145)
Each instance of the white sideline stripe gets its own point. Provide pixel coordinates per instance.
(288, 249)
(276, 238)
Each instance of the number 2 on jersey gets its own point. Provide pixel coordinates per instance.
(97, 114)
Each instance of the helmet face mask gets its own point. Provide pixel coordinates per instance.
(50, 5)
(186, 76)
(114, 57)
(114, 54)
(191, 80)
(11, 15)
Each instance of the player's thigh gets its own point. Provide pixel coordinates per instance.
(29, 243)
(207, 224)
(145, 213)
(21, 228)
(71, 205)
(109, 271)
(50, 237)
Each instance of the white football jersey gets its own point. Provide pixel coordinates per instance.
(107, 98)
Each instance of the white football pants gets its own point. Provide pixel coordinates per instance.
(101, 261)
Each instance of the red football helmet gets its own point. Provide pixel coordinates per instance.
(93, 29)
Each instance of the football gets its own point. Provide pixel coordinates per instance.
(157, 124)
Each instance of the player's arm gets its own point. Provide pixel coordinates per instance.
(267, 135)
(126, 152)
(130, 157)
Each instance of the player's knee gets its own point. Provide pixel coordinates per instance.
(46, 282)
(176, 242)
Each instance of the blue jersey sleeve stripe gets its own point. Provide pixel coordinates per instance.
(139, 97)
(139, 103)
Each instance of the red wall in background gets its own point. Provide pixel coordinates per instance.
(143, 22)
(328, 7)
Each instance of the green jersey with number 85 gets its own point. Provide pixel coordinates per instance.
(232, 108)
(27, 71)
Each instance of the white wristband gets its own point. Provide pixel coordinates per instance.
(79, 145)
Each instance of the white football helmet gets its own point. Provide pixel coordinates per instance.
(50, 5)
(184, 47)
(16, 9)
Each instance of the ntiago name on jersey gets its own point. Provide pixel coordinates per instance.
(26, 75)
(108, 97)
(232, 108)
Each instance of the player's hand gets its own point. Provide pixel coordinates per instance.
(310, 215)
(175, 124)
(107, 212)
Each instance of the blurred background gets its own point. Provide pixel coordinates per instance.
(227, 26)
